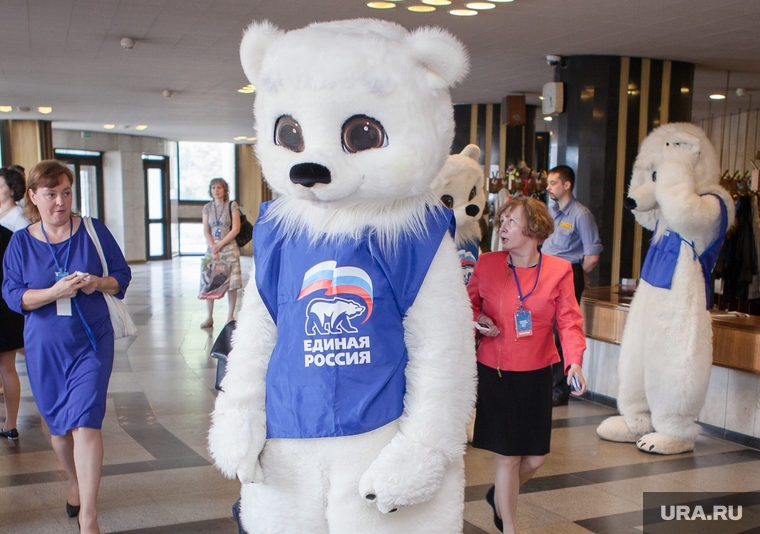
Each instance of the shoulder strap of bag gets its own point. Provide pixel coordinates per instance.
(87, 221)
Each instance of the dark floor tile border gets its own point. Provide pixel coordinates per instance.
(625, 523)
(579, 421)
(136, 418)
(223, 525)
(623, 472)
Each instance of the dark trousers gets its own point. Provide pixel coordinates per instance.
(559, 381)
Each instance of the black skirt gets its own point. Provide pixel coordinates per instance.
(514, 412)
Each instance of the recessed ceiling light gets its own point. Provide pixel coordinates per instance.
(238, 138)
(463, 12)
(684, 90)
(6, 109)
(141, 127)
(481, 5)
(548, 118)
(421, 9)
(251, 138)
(437, 2)
(247, 89)
(717, 96)
(381, 5)
(109, 126)
(45, 110)
(540, 97)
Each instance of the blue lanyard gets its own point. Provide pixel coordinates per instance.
(517, 280)
(52, 252)
(87, 328)
(218, 219)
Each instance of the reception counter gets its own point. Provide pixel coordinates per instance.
(732, 407)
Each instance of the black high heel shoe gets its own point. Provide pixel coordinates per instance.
(490, 500)
(11, 434)
(71, 510)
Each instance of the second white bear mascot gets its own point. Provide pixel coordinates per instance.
(459, 185)
(666, 350)
(351, 378)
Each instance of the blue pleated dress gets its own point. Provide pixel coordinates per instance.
(68, 376)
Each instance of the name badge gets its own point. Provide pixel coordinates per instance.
(217, 233)
(523, 323)
(62, 306)
(566, 225)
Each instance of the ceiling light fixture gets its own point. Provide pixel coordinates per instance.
(248, 89)
(109, 126)
(480, 6)
(717, 96)
(381, 5)
(251, 138)
(141, 127)
(167, 93)
(238, 138)
(463, 12)
(127, 43)
(6, 109)
(548, 118)
(45, 110)
(421, 9)
(437, 2)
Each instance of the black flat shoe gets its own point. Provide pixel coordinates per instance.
(11, 434)
(496, 519)
(71, 510)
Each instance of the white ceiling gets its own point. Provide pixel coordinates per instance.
(66, 53)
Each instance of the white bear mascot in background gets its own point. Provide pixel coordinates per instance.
(352, 374)
(666, 350)
(459, 185)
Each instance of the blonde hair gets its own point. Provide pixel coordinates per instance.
(540, 224)
(47, 173)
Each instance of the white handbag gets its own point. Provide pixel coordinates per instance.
(120, 318)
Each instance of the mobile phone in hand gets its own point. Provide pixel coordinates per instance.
(575, 383)
(481, 328)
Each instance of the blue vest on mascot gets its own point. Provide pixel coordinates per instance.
(662, 256)
(468, 256)
(337, 368)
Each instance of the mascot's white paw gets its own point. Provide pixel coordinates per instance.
(404, 474)
(249, 470)
(616, 429)
(657, 443)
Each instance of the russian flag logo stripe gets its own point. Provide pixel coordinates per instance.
(338, 280)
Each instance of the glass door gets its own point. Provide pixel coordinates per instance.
(87, 167)
(157, 238)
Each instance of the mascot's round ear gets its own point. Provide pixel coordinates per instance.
(441, 54)
(256, 40)
(472, 152)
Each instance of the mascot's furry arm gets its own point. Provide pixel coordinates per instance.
(432, 429)
(687, 212)
(238, 422)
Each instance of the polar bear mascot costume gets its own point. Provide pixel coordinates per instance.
(352, 374)
(666, 350)
(459, 185)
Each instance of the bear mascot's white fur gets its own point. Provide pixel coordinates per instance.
(666, 350)
(352, 374)
(459, 185)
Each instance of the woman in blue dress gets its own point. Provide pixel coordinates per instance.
(53, 275)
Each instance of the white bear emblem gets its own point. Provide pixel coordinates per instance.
(332, 316)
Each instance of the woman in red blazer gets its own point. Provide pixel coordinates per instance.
(517, 296)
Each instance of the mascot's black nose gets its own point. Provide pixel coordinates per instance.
(308, 174)
(629, 203)
(472, 210)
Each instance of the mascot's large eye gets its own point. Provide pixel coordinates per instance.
(448, 201)
(361, 133)
(287, 133)
(654, 176)
(472, 194)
